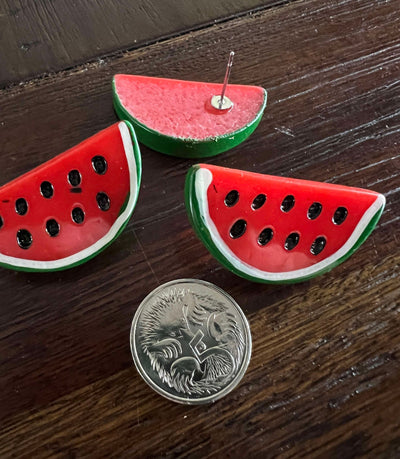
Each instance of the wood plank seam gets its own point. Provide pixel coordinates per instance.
(99, 59)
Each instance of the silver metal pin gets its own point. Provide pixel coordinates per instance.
(227, 74)
(222, 102)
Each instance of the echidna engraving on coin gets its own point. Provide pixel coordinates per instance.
(193, 342)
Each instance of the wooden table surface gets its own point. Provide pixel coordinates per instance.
(324, 375)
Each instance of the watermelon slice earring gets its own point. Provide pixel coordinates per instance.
(186, 118)
(70, 208)
(275, 229)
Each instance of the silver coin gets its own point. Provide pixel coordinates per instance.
(190, 341)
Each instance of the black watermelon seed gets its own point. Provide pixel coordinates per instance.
(74, 177)
(291, 241)
(314, 210)
(318, 245)
(21, 206)
(24, 238)
(265, 236)
(99, 164)
(340, 215)
(232, 198)
(103, 201)
(287, 203)
(46, 189)
(52, 227)
(259, 201)
(78, 215)
(1, 222)
(238, 229)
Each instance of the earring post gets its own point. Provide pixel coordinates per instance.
(221, 102)
(226, 79)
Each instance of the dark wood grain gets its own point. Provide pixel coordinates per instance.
(51, 35)
(323, 379)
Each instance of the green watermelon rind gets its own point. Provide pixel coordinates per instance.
(138, 170)
(204, 234)
(187, 147)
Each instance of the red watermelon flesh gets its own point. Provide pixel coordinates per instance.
(88, 213)
(182, 109)
(271, 257)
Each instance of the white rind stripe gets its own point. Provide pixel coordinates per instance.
(72, 259)
(203, 179)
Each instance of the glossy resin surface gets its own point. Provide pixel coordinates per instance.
(276, 229)
(67, 210)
